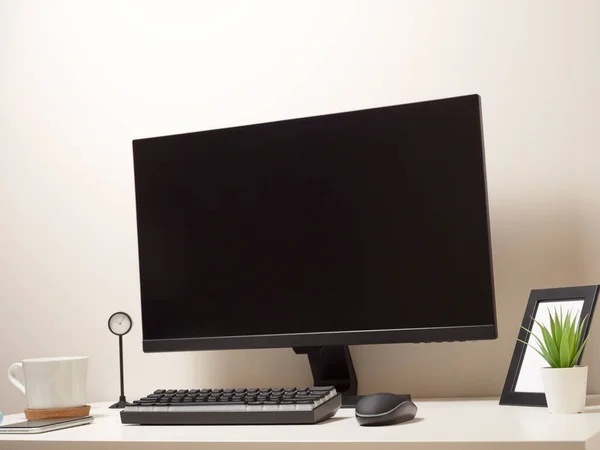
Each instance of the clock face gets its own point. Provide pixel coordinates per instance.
(120, 323)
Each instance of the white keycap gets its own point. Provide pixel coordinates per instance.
(270, 407)
(304, 407)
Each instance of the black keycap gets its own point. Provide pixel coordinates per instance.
(277, 390)
(188, 400)
(159, 391)
(176, 400)
(149, 404)
(240, 391)
(193, 391)
(205, 391)
(155, 396)
(271, 403)
(303, 402)
(217, 391)
(171, 391)
(263, 390)
(147, 400)
(321, 388)
(164, 400)
(290, 390)
(255, 403)
(277, 394)
(200, 400)
(302, 389)
(229, 391)
(253, 390)
(182, 391)
(286, 402)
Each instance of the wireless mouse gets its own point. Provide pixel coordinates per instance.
(384, 409)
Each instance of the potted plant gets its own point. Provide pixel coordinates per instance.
(565, 384)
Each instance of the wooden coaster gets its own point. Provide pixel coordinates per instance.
(59, 413)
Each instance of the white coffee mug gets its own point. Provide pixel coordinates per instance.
(52, 383)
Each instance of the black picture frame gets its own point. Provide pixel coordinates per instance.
(589, 294)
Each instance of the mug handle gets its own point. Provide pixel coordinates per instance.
(11, 376)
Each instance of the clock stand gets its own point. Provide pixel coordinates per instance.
(119, 324)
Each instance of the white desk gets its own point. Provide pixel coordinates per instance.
(444, 424)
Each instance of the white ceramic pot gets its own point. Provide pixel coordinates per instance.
(565, 389)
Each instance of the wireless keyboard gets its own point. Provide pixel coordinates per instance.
(234, 406)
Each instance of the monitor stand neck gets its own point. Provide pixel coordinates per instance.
(332, 366)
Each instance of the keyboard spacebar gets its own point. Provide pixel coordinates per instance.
(224, 407)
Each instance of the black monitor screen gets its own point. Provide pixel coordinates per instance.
(351, 222)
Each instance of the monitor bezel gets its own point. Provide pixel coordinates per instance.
(410, 335)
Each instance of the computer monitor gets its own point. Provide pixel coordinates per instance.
(362, 227)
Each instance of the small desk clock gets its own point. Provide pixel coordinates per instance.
(120, 324)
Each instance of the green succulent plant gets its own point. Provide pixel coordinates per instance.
(560, 345)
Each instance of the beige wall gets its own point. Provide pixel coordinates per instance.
(79, 80)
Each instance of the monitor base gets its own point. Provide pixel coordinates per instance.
(350, 401)
(332, 366)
